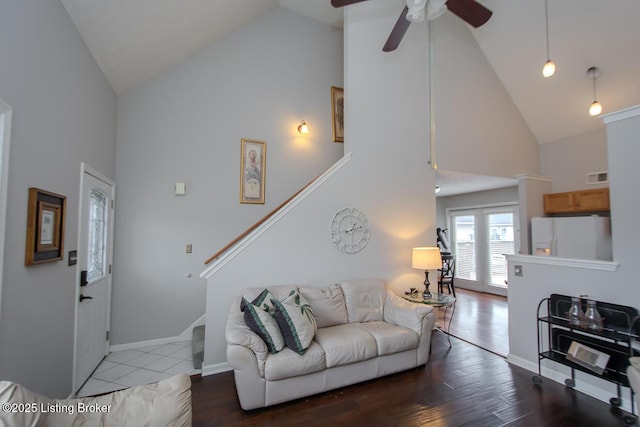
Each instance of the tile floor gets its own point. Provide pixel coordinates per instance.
(127, 368)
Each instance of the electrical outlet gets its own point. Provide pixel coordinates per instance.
(517, 270)
(189, 248)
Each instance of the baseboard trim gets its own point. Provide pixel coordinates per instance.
(186, 335)
(581, 386)
(216, 368)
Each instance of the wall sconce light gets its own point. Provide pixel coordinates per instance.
(549, 68)
(303, 129)
(596, 108)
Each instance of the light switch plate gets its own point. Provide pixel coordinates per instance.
(181, 188)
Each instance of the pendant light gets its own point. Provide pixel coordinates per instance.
(549, 68)
(596, 108)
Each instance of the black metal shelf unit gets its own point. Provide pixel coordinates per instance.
(620, 328)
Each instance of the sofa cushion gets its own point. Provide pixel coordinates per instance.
(263, 300)
(364, 299)
(288, 363)
(327, 305)
(344, 344)
(265, 325)
(296, 321)
(390, 338)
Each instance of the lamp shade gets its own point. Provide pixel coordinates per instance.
(426, 258)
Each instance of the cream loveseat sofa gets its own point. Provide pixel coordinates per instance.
(363, 331)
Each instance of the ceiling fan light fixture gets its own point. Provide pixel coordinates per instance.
(435, 10)
(416, 10)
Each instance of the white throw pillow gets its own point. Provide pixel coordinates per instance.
(296, 321)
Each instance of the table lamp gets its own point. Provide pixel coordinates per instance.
(426, 258)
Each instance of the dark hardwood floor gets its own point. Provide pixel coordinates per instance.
(460, 386)
(480, 319)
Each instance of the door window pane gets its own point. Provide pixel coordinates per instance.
(501, 241)
(96, 255)
(465, 246)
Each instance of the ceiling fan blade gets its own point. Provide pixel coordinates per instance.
(398, 32)
(470, 11)
(341, 3)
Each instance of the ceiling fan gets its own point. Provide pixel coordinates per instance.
(469, 11)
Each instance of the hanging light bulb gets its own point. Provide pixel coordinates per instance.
(596, 108)
(549, 68)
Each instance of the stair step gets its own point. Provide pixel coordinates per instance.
(197, 346)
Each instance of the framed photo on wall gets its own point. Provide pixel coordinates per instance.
(337, 113)
(252, 171)
(45, 227)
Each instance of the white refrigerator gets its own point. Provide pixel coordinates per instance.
(583, 237)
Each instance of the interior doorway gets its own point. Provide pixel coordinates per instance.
(95, 253)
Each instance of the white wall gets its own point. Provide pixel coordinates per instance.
(624, 151)
(531, 191)
(472, 200)
(567, 161)
(64, 113)
(186, 125)
(543, 276)
(479, 128)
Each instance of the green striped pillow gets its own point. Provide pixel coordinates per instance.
(297, 323)
(263, 324)
(263, 301)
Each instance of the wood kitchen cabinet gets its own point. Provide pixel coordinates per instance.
(596, 200)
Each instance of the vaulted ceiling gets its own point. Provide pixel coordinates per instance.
(135, 40)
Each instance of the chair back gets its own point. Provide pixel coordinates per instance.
(448, 266)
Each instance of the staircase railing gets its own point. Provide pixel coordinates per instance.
(246, 237)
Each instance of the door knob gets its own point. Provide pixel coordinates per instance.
(82, 298)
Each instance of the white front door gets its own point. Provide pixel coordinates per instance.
(95, 252)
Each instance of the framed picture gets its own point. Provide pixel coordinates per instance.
(252, 171)
(337, 113)
(45, 227)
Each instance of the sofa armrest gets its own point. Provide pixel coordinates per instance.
(401, 312)
(237, 333)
